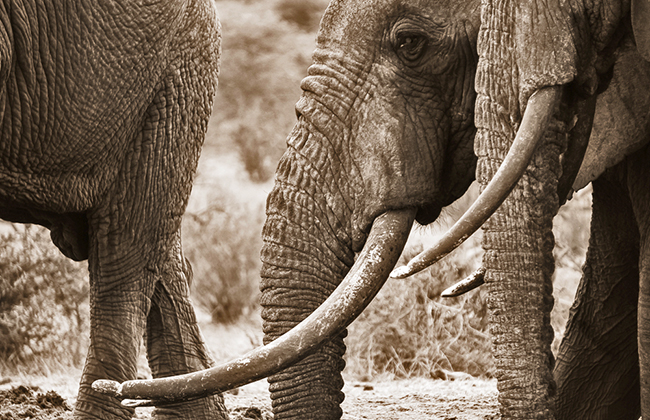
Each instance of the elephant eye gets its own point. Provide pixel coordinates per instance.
(411, 46)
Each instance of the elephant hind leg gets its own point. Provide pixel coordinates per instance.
(172, 330)
(139, 277)
(638, 181)
(597, 370)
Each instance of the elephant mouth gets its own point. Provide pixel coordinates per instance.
(428, 214)
(383, 247)
(541, 107)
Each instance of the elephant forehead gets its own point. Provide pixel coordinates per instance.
(343, 17)
(363, 19)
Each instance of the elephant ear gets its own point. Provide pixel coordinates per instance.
(641, 26)
(622, 122)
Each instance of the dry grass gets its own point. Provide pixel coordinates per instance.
(409, 330)
(43, 304)
(222, 244)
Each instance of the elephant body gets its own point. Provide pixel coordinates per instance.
(385, 122)
(103, 110)
(599, 352)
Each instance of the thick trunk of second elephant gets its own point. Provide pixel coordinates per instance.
(518, 244)
(307, 252)
(518, 238)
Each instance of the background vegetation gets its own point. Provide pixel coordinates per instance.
(43, 303)
(407, 331)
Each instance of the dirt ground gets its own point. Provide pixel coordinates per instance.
(416, 399)
(52, 396)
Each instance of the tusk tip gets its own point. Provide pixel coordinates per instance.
(108, 387)
(451, 292)
(470, 283)
(401, 272)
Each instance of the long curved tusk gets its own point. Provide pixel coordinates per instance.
(540, 108)
(368, 274)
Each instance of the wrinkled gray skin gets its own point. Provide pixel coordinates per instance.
(599, 353)
(385, 122)
(103, 110)
(578, 45)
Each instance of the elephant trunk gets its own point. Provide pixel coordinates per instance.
(519, 264)
(309, 245)
(518, 239)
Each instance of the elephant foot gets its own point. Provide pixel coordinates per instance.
(92, 405)
(209, 408)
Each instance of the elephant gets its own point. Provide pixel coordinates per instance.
(104, 108)
(407, 102)
(385, 123)
(591, 61)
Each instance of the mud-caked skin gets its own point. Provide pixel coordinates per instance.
(103, 110)
(385, 122)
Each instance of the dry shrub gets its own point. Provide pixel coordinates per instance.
(44, 309)
(306, 14)
(222, 244)
(264, 59)
(409, 330)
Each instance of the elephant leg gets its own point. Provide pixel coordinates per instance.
(116, 325)
(638, 178)
(175, 344)
(311, 389)
(139, 277)
(597, 371)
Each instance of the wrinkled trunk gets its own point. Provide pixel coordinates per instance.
(518, 244)
(518, 239)
(307, 252)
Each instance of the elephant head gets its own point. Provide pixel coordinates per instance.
(385, 124)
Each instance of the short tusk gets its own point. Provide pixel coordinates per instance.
(368, 274)
(540, 109)
(474, 280)
(578, 142)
